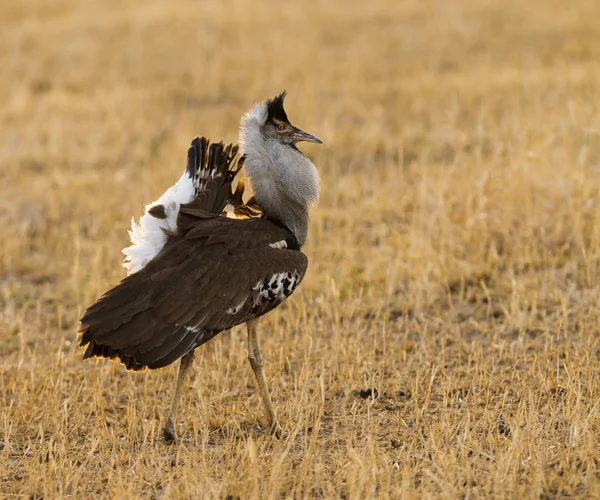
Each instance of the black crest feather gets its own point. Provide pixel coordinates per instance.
(275, 108)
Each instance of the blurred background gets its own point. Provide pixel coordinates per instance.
(445, 338)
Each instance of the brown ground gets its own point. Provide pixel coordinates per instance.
(445, 340)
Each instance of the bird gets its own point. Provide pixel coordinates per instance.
(202, 260)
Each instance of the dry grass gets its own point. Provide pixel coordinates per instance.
(445, 340)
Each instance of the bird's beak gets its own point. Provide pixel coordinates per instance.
(299, 135)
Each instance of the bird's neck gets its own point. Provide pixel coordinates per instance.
(284, 181)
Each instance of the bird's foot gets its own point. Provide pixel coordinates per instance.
(276, 430)
(169, 432)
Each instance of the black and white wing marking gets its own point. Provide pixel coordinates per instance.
(206, 182)
(219, 273)
(212, 169)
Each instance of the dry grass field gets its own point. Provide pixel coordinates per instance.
(444, 343)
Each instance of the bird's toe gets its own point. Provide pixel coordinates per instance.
(169, 432)
(277, 431)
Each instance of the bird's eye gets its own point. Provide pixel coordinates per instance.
(281, 126)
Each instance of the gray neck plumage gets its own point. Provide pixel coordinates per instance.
(284, 181)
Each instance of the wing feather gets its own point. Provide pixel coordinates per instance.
(205, 185)
(192, 290)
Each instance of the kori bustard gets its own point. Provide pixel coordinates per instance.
(203, 261)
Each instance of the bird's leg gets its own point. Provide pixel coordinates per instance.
(186, 363)
(256, 362)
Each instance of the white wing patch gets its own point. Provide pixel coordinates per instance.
(236, 309)
(194, 329)
(279, 244)
(272, 290)
(276, 289)
(149, 235)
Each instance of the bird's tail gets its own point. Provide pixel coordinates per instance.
(204, 187)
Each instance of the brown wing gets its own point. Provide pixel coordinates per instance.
(218, 273)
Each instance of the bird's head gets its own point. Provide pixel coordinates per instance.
(269, 119)
(278, 127)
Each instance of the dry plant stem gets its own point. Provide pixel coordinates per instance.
(186, 363)
(444, 342)
(256, 362)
